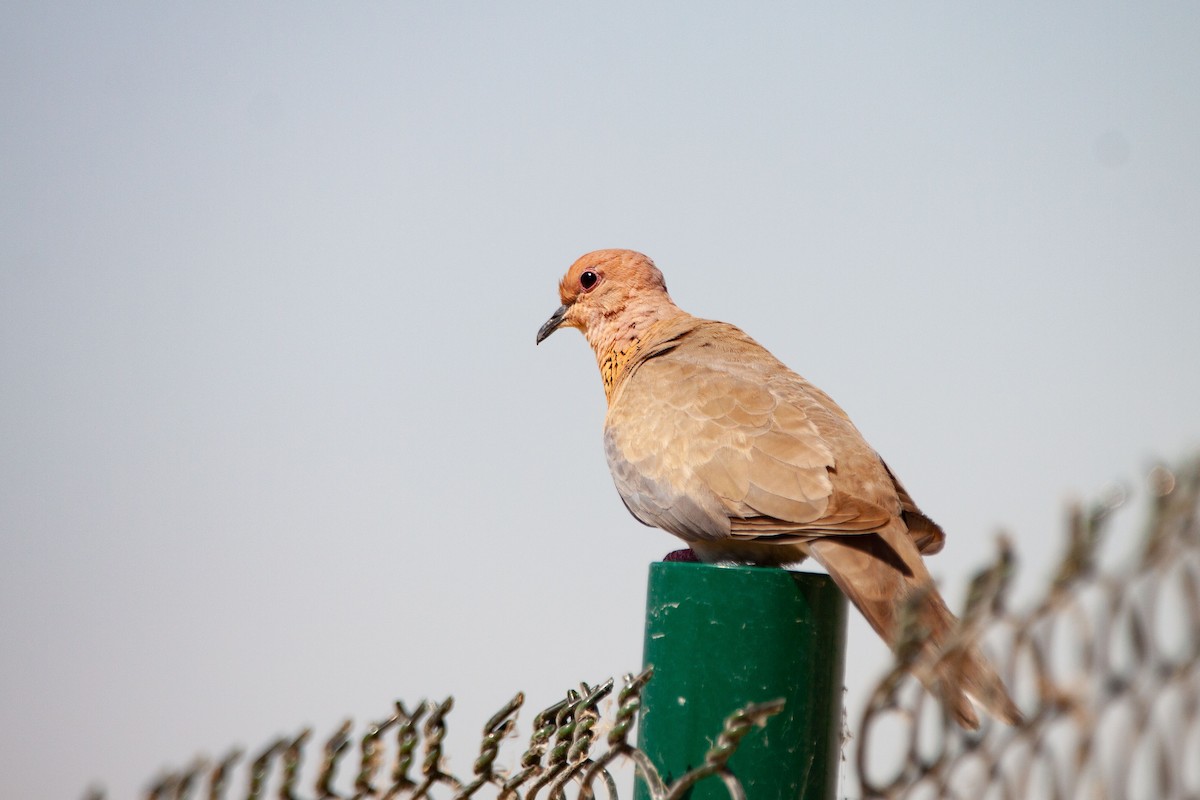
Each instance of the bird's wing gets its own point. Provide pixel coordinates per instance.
(705, 441)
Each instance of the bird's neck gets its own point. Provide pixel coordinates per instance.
(618, 339)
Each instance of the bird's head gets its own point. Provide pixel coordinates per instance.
(600, 287)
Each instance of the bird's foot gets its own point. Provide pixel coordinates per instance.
(687, 555)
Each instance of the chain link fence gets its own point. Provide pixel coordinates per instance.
(401, 757)
(1105, 666)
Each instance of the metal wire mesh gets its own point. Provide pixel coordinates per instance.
(1105, 666)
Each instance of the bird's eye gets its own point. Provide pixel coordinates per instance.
(587, 280)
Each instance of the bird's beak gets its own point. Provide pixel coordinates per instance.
(552, 324)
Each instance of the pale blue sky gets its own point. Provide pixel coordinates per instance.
(276, 445)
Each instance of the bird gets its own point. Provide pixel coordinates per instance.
(710, 437)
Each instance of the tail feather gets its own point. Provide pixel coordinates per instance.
(883, 575)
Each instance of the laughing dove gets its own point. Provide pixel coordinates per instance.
(711, 438)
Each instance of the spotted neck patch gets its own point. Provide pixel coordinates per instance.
(614, 361)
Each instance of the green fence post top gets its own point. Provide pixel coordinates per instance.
(721, 637)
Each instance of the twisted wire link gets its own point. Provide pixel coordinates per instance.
(556, 758)
(407, 739)
(585, 715)
(260, 767)
(1105, 667)
(434, 731)
(293, 754)
(335, 748)
(629, 703)
(218, 779)
(495, 730)
(371, 758)
(545, 724)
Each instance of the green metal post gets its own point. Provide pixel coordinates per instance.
(721, 637)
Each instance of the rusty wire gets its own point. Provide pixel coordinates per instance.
(1105, 667)
(557, 763)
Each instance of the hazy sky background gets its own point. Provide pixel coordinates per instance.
(276, 446)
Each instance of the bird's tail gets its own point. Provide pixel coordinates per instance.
(884, 576)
